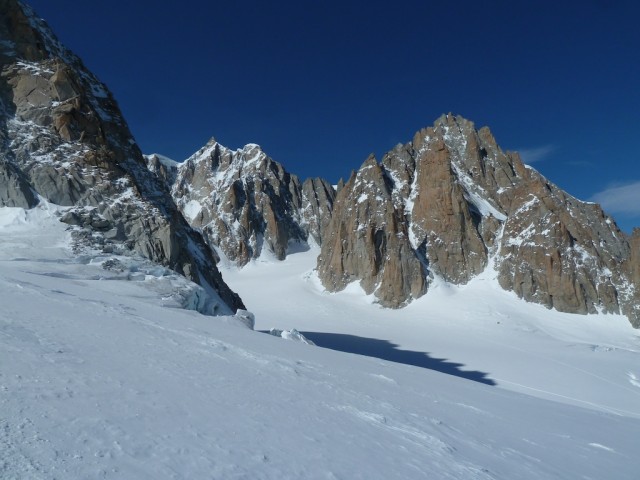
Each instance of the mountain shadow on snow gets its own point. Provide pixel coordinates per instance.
(385, 350)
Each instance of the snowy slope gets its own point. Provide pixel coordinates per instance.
(480, 330)
(101, 376)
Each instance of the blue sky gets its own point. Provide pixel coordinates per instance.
(321, 84)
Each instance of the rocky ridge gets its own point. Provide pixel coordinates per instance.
(245, 203)
(464, 206)
(63, 138)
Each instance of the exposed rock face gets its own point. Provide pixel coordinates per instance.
(561, 252)
(442, 220)
(63, 136)
(245, 203)
(634, 259)
(367, 240)
(455, 204)
(318, 197)
(15, 190)
(632, 308)
(163, 167)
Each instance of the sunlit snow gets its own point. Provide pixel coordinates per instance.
(103, 375)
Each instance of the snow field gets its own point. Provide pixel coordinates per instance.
(102, 378)
(575, 359)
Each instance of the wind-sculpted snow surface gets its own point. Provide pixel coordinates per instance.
(63, 137)
(101, 378)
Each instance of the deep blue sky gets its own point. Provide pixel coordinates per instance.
(321, 84)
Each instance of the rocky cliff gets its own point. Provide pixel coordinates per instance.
(633, 309)
(245, 203)
(368, 240)
(450, 204)
(62, 137)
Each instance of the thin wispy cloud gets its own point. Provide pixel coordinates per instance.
(620, 199)
(537, 154)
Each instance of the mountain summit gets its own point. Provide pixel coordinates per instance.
(451, 204)
(63, 138)
(446, 207)
(245, 203)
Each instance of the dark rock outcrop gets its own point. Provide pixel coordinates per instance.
(15, 190)
(62, 136)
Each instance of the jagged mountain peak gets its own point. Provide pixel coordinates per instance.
(465, 205)
(250, 157)
(27, 36)
(251, 147)
(367, 241)
(246, 204)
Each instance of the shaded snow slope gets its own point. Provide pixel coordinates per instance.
(100, 379)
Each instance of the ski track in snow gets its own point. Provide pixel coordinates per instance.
(102, 378)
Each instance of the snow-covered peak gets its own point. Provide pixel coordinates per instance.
(205, 153)
(250, 147)
(251, 156)
(246, 203)
(244, 159)
(166, 161)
